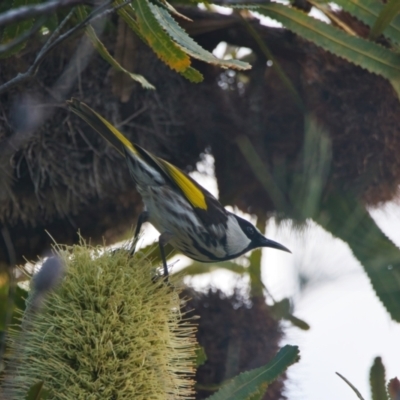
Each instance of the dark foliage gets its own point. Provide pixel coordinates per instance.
(58, 175)
(236, 336)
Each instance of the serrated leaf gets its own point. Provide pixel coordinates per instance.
(377, 380)
(102, 50)
(12, 31)
(368, 11)
(250, 383)
(187, 44)
(198, 268)
(355, 390)
(389, 12)
(259, 395)
(157, 39)
(173, 10)
(368, 55)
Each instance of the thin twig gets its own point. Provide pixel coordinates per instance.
(24, 36)
(25, 12)
(51, 42)
(131, 117)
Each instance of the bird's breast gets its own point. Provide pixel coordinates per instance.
(170, 212)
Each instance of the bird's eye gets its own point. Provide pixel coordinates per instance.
(250, 230)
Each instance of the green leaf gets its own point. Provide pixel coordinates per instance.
(99, 46)
(12, 31)
(127, 13)
(157, 39)
(192, 75)
(390, 11)
(254, 270)
(187, 44)
(346, 218)
(5, 5)
(248, 385)
(368, 55)
(283, 310)
(52, 22)
(298, 323)
(198, 268)
(280, 309)
(20, 298)
(352, 386)
(377, 380)
(172, 9)
(260, 394)
(201, 356)
(114, 63)
(18, 301)
(35, 392)
(368, 11)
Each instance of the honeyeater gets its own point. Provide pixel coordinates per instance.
(187, 216)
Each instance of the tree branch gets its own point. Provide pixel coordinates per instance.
(21, 13)
(99, 12)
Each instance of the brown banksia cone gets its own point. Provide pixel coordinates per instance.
(237, 335)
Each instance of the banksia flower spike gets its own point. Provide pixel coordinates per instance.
(110, 331)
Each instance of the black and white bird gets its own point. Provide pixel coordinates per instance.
(187, 216)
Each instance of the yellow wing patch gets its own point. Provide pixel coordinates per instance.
(190, 190)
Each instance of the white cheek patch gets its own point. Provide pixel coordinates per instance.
(236, 239)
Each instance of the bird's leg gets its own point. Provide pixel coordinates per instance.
(143, 217)
(162, 241)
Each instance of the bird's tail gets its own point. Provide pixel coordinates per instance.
(102, 126)
(145, 168)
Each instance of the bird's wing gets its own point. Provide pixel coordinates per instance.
(206, 206)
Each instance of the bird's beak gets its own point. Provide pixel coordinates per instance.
(274, 245)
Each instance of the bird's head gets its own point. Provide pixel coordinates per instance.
(256, 238)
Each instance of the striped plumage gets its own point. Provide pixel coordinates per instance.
(187, 216)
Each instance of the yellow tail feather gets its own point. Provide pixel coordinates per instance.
(189, 189)
(101, 125)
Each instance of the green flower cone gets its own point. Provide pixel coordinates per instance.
(109, 331)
